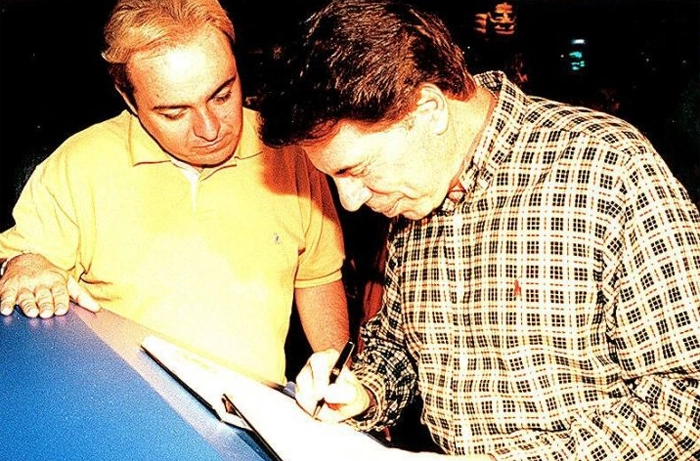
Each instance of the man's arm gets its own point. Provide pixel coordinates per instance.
(653, 245)
(43, 243)
(350, 398)
(323, 312)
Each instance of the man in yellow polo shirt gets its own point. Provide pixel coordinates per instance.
(173, 213)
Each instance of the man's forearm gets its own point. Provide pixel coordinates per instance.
(323, 311)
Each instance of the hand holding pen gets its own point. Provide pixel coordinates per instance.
(335, 372)
(328, 391)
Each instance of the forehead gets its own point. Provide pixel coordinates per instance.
(203, 60)
(350, 144)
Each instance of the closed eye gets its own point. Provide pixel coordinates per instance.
(175, 115)
(223, 97)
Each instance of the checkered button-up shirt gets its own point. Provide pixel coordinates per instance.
(553, 313)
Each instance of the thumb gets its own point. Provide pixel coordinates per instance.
(81, 297)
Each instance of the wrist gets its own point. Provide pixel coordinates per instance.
(5, 263)
(370, 408)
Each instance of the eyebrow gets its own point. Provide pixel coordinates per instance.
(184, 106)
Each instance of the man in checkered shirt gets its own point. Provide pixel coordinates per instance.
(542, 286)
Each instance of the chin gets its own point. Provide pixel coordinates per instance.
(414, 216)
(214, 160)
(396, 210)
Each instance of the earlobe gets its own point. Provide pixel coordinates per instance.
(432, 103)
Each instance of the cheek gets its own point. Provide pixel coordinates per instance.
(411, 180)
(389, 182)
(172, 136)
(230, 115)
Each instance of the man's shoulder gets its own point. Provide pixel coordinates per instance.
(538, 113)
(100, 145)
(550, 115)
(114, 130)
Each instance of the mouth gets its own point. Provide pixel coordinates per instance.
(389, 212)
(217, 144)
(212, 146)
(212, 153)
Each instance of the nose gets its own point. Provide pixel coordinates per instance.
(352, 193)
(206, 124)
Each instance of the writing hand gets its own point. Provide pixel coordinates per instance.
(343, 399)
(40, 289)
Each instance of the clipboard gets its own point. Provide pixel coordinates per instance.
(267, 410)
(201, 377)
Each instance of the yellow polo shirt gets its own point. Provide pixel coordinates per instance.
(211, 264)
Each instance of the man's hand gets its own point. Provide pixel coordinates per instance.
(40, 289)
(344, 399)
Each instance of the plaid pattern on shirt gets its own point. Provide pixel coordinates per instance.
(552, 313)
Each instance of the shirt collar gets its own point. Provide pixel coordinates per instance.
(497, 138)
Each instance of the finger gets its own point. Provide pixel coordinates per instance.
(303, 380)
(26, 302)
(61, 300)
(312, 380)
(6, 307)
(8, 299)
(321, 364)
(44, 301)
(344, 391)
(340, 403)
(304, 389)
(81, 297)
(348, 397)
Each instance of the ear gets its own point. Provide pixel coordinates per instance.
(432, 106)
(127, 100)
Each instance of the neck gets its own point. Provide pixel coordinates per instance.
(470, 119)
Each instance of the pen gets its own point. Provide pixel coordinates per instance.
(335, 371)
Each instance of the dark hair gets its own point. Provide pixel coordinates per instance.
(361, 60)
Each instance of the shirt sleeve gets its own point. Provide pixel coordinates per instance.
(44, 216)
(384, 365)
(654, 247)
(651, 258)
(322, 259)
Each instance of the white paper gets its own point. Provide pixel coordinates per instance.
(291, 432)
(202, 377)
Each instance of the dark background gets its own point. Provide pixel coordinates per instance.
(642, 65)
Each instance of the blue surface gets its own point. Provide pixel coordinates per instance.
(65, 394)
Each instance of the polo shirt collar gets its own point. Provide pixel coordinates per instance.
(142, 147)
(250, 144)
